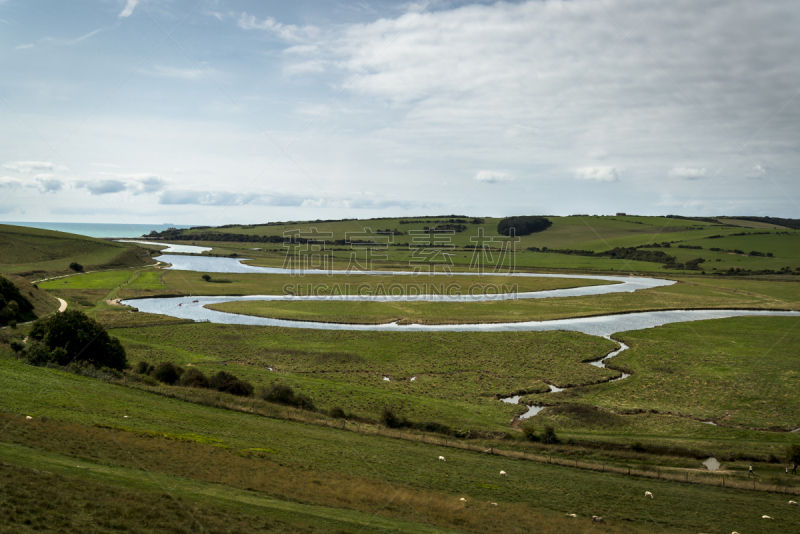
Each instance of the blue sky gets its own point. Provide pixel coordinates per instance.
(212, 112)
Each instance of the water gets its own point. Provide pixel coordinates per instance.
(171, 247)
(194, 308)
(99, 229)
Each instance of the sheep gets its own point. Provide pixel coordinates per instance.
(572, 515)
(124, 416)
(765, 517)
(503, 474)
(441, 459)
(648, 494)
(28, 417)
(597, 519)
(462, 499)
(492, 504)
(792, 503)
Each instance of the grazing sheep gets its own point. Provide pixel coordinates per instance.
(765, 517)
(124, 416)
(441, 459)
(648, 494)
(792, 503)
(572, 515)
(503, 474)
(462, 499)
(597, 519)
(492, 504)
(28, 417)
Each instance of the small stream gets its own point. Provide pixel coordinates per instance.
(534, 409)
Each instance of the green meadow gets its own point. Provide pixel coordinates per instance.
(197, 460)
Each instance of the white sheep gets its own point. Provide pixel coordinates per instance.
(765, 517)
(28, 417)
(441, 459)
(492, 504)
(462, 499)
(792, 503)
(648, 494)
(572, 515)
(124, 416)
(503, 474)
(597, 519)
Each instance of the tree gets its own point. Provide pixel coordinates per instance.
(75, 266)
(82, 339)
(206, 277)
(523, 225)
(14, 306)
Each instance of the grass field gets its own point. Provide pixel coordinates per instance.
(232, 463)
(360, 465)
(24, 249)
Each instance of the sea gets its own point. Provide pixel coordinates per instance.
(99, 229)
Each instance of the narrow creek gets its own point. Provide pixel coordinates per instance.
(535, 409)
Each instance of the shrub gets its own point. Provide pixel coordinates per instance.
(228, 383)
(636, 446)
(549, 435)
(284, 394)
(530, 433)
(82, 338)
(167, 373)
(12, 324)
(75, 266)
(337, 412)
(193, 378)
(17, 346)
(206, 277)
(390, 419)
(143, 368)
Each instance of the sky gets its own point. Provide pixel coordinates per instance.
(233, 111)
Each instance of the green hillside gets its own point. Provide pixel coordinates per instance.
(24, 249)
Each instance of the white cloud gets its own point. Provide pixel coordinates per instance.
(24, 46)
(287, 32)
(103, 187)
(47, 183)
(598, 174)
(687, 173)
(492, 177)
(174, 72)
(28, 166)
(7, 181)
(128, 9)
(757, 172)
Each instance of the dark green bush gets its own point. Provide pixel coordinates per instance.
(529, 431)
(523, 225)
(206, 277)
(82, 338)
(143, 368)
(75, 266)
(337, 412)
(284, 394)
(228, 383)
(549, 435)
(193, 378)
(17, 346)
(390, 419)
(167, 373)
